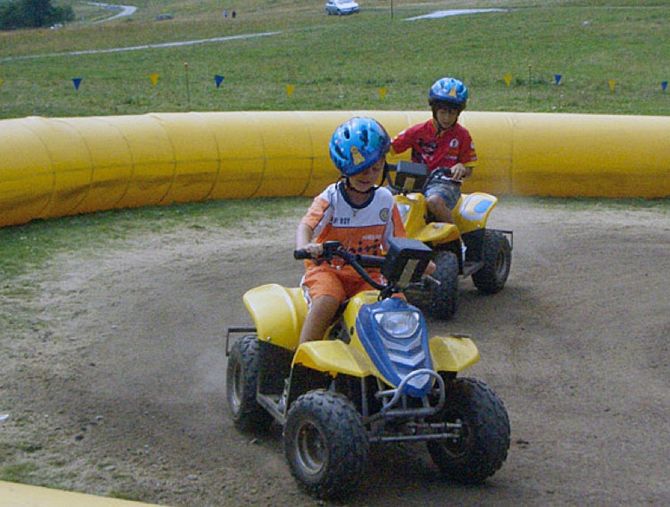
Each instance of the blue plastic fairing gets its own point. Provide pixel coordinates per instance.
(396, 357)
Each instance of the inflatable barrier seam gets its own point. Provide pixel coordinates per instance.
(264, 158)
(42, 213)
(173, 159)
(217, 176)
(131, 176)
(90, 164)
(312, 159)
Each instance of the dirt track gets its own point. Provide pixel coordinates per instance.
(122, 392)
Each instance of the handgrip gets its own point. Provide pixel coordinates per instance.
(301, 254)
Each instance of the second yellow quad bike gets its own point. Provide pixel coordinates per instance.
(464, 248)
(377, 377)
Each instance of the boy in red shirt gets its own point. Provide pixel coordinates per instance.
(354, 211)
(443, 145)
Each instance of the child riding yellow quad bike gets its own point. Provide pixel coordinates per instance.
(377, 377)
(464, 248)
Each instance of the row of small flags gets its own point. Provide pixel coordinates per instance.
(383, 91)
(558, 80)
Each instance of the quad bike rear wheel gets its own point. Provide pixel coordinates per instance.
(241, 385)
(497, 257)
(484, 439)
(325, 444)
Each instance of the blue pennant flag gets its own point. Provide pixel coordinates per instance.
(76, 82)
(218, 80)
(664, 85)
(557, 79)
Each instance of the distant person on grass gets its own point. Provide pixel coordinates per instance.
(443, 145)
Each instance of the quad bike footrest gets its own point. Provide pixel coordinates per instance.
(470, 267)
(420, 432)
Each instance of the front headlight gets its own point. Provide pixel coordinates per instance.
(398, 324)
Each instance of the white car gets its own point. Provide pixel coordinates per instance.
(341, 7)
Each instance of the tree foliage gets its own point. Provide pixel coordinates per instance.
(32, 14)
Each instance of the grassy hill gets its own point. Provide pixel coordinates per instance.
(612, 58)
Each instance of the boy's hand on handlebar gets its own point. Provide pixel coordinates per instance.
(315, 250)
(459, 172)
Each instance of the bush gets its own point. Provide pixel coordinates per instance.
(32, 14)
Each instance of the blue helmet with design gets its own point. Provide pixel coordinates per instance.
(358, 144)
(448, 92)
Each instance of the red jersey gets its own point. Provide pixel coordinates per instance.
(445, 149)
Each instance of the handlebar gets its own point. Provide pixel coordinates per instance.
(332, 249)
(301, 254)
(413, 176)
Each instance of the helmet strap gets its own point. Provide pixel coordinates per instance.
(350, 187)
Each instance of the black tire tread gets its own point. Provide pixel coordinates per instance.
(444, 299)
(486, 417)
(250, 417)
(487, 279)
(348, 445)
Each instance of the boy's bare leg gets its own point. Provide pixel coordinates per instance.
(318, 318)
(439, 209)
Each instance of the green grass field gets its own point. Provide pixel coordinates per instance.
(343, 62)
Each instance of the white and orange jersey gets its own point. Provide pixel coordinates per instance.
(363, 229)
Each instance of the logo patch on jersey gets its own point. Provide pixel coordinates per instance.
(453, 143)
(356, 156)
(384, 214)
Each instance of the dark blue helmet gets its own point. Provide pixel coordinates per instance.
(358, 144)
(448, 92)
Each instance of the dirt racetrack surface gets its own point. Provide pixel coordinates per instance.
(122, 392)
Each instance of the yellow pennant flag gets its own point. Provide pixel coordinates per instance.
(612, 84)
(289, 90)
(382, 92)
(154, 78)
(508, 79)
(1, 81)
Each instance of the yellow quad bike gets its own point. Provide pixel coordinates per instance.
(465, 248)
(376, 378)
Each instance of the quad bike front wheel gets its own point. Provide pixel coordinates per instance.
(444, 297)
(241, 384)
(481, 448)
(325, 444)
(497, 257)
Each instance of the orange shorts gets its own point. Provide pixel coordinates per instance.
(325, 280)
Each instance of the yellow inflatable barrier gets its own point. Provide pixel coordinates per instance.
(64, 166)
(20, 495)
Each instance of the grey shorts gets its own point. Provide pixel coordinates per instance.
(448, 191)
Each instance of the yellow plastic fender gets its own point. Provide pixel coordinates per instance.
(412, 208)
(472, 211)
(278, 313)
(452, 353)
(333, 357)
(437, 232)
